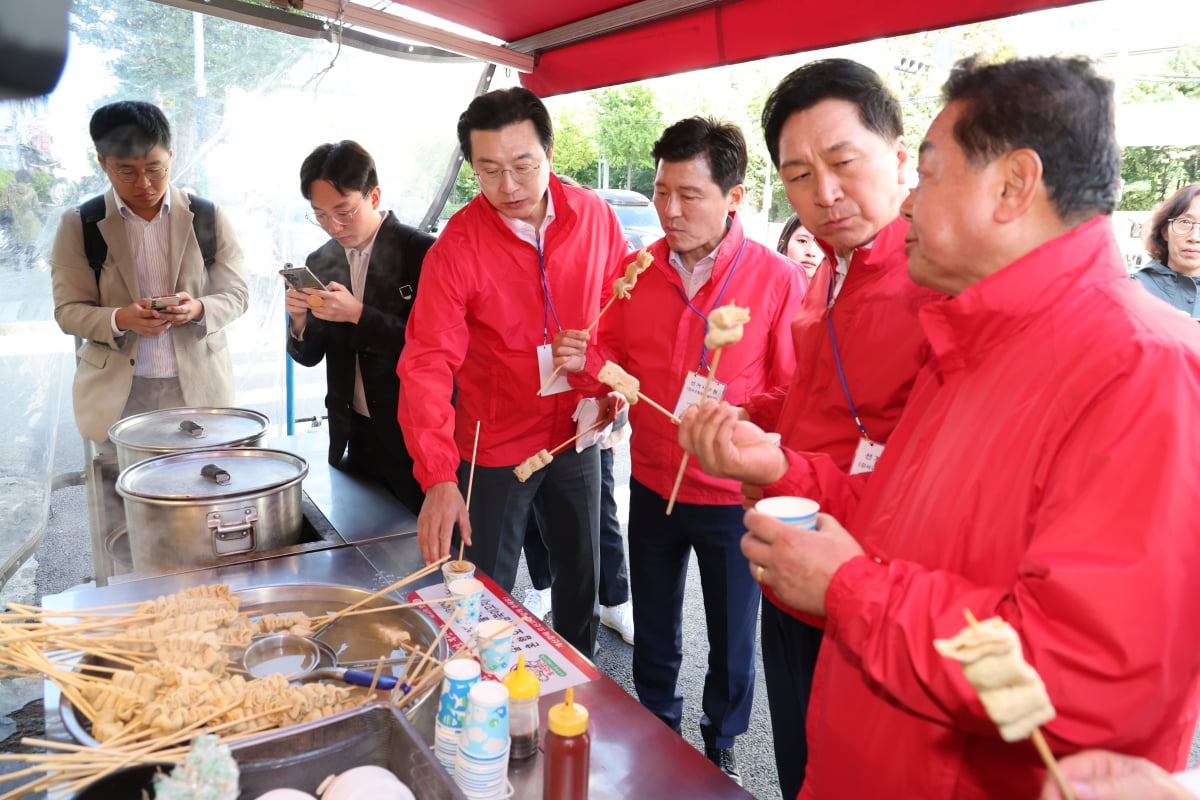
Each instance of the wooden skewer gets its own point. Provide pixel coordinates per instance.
(653, 404)
(603, 311)
(683, 461)
(377, 609)
(589, 429)
(550, 379)
(421, 573)
(462, 543)
(1039, 741)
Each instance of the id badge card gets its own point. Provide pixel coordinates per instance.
(866, 456)
(692, 387)
(545, 357)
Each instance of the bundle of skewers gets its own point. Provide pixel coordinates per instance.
(150, 677)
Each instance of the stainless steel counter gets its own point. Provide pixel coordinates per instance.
(634, 756)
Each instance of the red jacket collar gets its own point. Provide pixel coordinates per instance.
(966, 326)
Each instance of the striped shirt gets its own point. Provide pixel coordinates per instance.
(150, 244)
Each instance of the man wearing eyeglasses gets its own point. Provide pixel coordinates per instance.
(527, 258)
(137, 358)
(370, 267)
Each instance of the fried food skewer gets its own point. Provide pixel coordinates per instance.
(725, 327)
(1010, 689)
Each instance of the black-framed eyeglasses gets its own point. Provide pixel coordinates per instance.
(1182, 226)
(133, 174)
(339, 218)
(521, 173)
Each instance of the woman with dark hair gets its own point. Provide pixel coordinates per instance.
(798, 244)
(1173, 242)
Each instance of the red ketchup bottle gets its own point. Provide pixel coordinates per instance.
(567, 751)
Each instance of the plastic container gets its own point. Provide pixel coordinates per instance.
(523, 691)
(568, 752)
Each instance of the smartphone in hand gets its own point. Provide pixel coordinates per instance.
(161, 302)
(300, 278)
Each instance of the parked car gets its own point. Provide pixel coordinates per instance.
(639, 220)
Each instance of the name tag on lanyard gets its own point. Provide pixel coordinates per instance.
(866, 456)
(692, 389)
(545, 357)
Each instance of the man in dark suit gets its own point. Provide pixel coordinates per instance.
(370, 268)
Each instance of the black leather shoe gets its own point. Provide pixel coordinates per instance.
(725, 760)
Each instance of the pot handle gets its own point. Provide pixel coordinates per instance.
(191, 429)
(215, 474)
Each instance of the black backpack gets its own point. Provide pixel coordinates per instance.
(204, 223)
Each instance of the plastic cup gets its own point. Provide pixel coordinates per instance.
(798, 511)
(467, 606)
(495, 645)
(455, 570)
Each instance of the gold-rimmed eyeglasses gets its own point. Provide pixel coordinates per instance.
(1182, 226)
(521, 173)
(339, 218)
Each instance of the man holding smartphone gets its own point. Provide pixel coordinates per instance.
(137, 357)
(369, 269)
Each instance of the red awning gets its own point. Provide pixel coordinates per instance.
(584, 44)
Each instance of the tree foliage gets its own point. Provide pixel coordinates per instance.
(153, 51)
(628, 123)
(575, 149)
(1153, 173)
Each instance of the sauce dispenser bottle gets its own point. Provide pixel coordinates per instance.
(568, 752)
(523, 691)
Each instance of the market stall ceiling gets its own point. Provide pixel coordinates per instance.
(585, 44)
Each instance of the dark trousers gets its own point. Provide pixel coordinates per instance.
(659, 549)
(614, 576)
(565, 499)
(789, 652)
(383, 459)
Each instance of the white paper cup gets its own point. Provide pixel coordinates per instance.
(799, 511)
(449, 575)
(495, 645)
(467, 606)
(485, 727)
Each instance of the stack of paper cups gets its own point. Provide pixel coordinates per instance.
(458, 676)
(481, 768)
(798, 511)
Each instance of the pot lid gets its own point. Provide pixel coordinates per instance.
(171, 429)
(211, 474)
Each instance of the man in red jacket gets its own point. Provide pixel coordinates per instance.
(704, 261)
(833, 129)
(523, 260)
(1033, 475)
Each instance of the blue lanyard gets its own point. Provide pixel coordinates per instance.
(548, 310)
(837, 360)
(704, 348)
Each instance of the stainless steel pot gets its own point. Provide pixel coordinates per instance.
(172, 430)
(198, 506)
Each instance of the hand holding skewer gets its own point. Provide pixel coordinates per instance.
(622, 288)
(725, 326)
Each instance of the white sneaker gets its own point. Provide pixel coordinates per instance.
(620, 619)
(538, 602)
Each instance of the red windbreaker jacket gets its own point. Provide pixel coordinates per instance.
(657, 339)
(881, 346)
(479, 316)
(1041, 472)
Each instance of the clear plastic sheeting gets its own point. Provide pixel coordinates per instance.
(34, 357)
